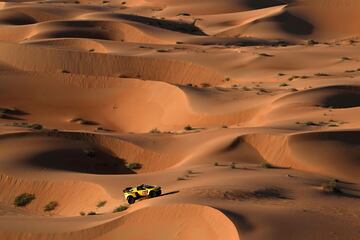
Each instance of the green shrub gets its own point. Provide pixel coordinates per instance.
(134, 166)
(101, 204)
(51, 206)
(120, 209)
(24, 199)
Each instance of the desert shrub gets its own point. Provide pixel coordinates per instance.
(51, 206)
(134, 166)
(283, 85)
(183, 14)
(24, 199)
(188, 128)
(101, 204)
(216, 164)
(345, 58)
(312, 42)
(36, 126)
(205, 85)
(181, 178)
(82, 213)
(281, 74)
(163, 50)
(322, 74)
(266, 165)
(309, 123)
(265, 55)
(331, 187)
(91, 213)
(233, 165)
(120, 209)
(89, 152)
(155, 130)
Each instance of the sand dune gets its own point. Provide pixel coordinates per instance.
(245, 112)
(71, 196)
(211, 224)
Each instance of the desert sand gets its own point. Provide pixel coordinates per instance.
(245, 112)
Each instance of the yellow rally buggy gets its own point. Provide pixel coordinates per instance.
(131, 194)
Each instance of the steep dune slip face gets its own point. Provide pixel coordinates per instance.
(334, 153)
(245, 112)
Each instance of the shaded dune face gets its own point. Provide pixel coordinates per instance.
(293, 24)
(16, 18)
(337, 153)
(73, 160)
(62, 155)
(328, 97)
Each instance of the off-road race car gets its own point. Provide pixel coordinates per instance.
(131, 194)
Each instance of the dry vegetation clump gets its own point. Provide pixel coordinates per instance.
(51, 206)
(24, 199)
(134, 166)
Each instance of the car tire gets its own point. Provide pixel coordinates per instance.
(153, 194)
(131, 200)
(159, 193)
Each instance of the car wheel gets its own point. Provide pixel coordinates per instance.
(152, 194)
(159, 193)
(131, 200)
